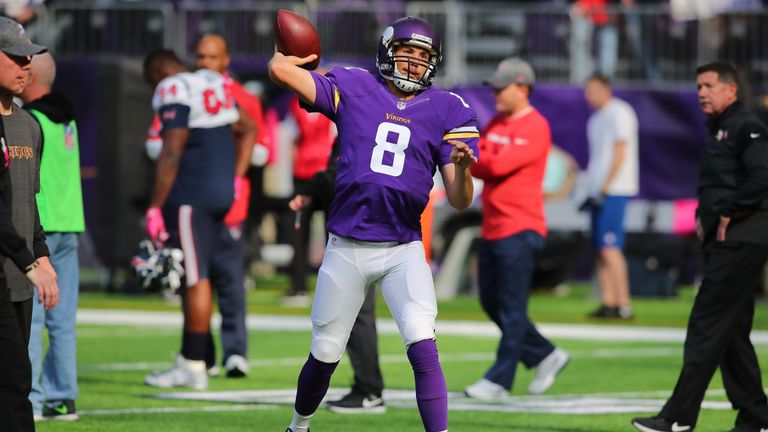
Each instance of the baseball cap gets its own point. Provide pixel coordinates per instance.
(511, 71)
(14, 40)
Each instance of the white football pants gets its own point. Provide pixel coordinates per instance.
(349, 267)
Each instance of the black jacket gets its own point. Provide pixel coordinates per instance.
(733, 177)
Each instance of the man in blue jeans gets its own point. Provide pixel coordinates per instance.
(60, 204)
(514, 149)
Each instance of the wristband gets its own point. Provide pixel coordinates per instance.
(31, 267)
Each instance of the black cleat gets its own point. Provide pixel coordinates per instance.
(658, 424)
(357, 403)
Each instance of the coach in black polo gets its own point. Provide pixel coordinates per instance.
(732, 222)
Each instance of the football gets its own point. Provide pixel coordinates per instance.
(296, 36)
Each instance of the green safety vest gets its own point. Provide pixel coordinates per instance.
(60, 201)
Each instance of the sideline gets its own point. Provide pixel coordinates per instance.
(387, 326)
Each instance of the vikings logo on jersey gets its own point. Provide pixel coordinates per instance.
(389, 152)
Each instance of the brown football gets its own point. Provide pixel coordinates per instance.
(296, 36)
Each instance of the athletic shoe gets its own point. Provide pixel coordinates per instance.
(486, 390)
(213, 371)
(38, 417)
(547, 370)
(604, 312)
(626, 313)
(184, 373)
(291, 430)
(236, 366)
(60, 410)
(357, 403)
(658, 424)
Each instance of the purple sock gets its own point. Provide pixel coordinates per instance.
(314, 379)
(431, 393)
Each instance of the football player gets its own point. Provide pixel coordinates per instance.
(198, 172)
(395, 131)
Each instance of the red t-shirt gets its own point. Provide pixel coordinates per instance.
(513, 158)
(595, 10)
(313, 146)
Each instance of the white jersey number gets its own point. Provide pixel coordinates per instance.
(397, 148)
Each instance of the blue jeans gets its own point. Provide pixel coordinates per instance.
(55, 377)
(505, 270)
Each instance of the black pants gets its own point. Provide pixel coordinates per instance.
(15, 369)
(718, 335)
(363, 349)
(300, 242)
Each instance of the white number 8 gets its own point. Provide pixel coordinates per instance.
(396, 148)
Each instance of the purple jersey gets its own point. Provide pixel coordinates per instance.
(389, 152)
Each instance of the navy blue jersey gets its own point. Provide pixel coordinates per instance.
(200, 102)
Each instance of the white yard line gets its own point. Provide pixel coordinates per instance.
(173, 410)
(387, 326)
(650, 352)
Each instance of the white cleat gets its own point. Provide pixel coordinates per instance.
(486, 390)
(547, 370)
(184, 373)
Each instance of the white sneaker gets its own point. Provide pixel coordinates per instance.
(486, 390)
(236, 366)
(184, 373)
(547, 370)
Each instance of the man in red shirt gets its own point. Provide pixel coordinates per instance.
(513, 148)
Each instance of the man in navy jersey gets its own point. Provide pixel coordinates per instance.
(195, 184)
(395, 131)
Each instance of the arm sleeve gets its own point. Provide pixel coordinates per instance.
(12, 244)
(461, 123)
(754, 155)
(327, 95)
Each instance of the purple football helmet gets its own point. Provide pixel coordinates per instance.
(410, 31)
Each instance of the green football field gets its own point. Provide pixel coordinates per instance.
(604, 386)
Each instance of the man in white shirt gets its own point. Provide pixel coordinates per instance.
(612, 178)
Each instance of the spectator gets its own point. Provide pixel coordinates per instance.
(588, 18)
(730, 220)
(612, 176)
(514, 148)
(60, 201)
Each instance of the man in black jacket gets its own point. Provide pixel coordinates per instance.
(17, 136)
(732, 223)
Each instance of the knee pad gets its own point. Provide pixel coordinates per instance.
(416, 330)
(327, 346)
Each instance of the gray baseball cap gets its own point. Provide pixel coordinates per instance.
(512, 70)
(14, 40)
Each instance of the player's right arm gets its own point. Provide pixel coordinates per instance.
(286, 71)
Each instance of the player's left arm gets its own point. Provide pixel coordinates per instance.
(457, 177)
(245, 135)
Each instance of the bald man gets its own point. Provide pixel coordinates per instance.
(212, 53)
(60, 204)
